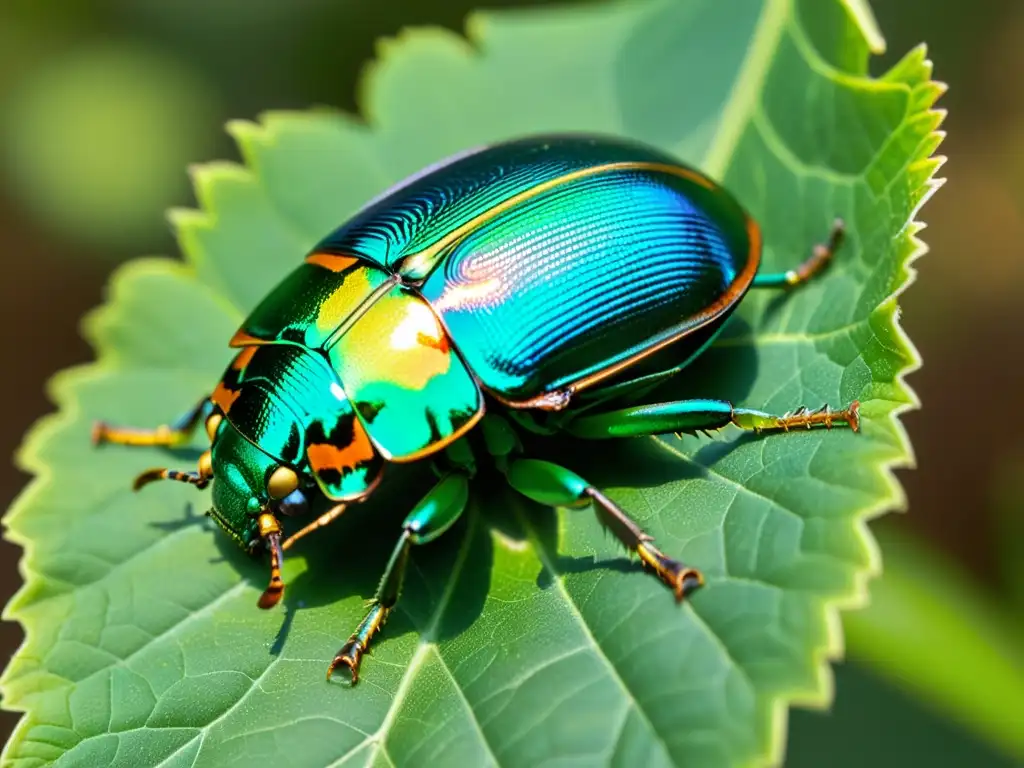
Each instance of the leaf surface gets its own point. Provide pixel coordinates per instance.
(523, 637)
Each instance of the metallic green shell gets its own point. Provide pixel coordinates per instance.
(410, 388)
(532, 269)
(555, 262)
(384, 348)
(312, 302)
(286, 400)
(583, 277)
(414, 215)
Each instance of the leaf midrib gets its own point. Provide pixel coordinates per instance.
(745, 93)
(556, 580)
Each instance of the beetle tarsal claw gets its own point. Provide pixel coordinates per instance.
(682, 580)
(853, 415)
(99, 432)
(350, 655)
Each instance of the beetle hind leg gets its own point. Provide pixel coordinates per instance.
(819, 259)
(552, 485)
(166, 435)
(692, 416)
(801, 418)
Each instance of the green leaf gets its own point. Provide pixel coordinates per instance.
(522, 636)
(926, 612)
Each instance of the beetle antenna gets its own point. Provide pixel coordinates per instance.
(159, 473)
(271, 531)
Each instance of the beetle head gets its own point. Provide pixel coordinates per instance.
(250, 490)
(249, 486)
(241, 473)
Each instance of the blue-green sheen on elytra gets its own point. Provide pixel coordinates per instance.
(543, 284)
(569, 282)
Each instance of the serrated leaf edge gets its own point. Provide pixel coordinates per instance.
(915, 248)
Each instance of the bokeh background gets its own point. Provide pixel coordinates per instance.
(104, 104)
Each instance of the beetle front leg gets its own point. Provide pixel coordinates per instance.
(690, 416)
(434, 515)
(166, 435)
(553, 486)
(819, 259)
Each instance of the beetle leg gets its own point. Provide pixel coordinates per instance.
(199, 479)
(801, 418)
(691, 415)
(166, 435)
(819, 259)
(325, 519)
(270, 532)
(159, 473)
(434, 515)
(500, 440)
(553, 485)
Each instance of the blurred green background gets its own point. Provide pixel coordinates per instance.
(104, 105)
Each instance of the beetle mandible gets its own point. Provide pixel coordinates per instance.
(548, 282)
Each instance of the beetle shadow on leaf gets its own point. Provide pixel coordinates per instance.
(565, 564)
(775, 304)
(727, 373)
(717, 450)
(508, 514)
(345, 558)
(544, 523)
(465, 554)
(286, 626)
(725, 370)
(341, 559)
(188, 520)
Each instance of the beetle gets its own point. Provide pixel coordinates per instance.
(540, 285)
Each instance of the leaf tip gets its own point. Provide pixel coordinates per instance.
(179, 214)
(243, 131)
(864, 18)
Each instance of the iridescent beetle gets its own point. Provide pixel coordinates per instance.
(549, 282)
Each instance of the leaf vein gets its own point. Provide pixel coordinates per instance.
(556, 578)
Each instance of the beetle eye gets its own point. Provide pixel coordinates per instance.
(294, 504)
(282, 482)
(212, 424)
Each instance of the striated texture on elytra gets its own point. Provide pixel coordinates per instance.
(523, 637)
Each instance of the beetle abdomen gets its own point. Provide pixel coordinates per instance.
(572, 283)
